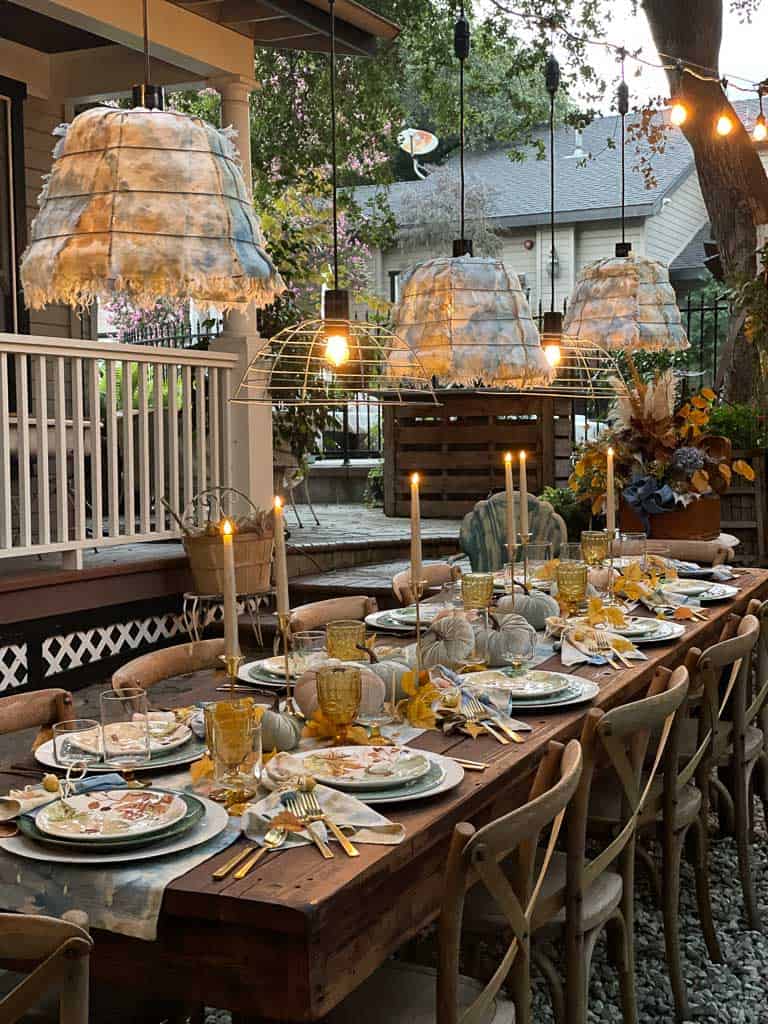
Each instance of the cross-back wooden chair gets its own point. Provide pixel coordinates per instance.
(672, 809)
(320, 613)
(53, 957)
(583, 896)
(399, 992)
(43, 708)
(759, 685)
(180, 660)
(436, 574)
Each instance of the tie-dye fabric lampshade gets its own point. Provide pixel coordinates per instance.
(148, 203)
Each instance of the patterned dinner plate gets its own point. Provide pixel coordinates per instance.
(385, 622)
(531, 685)
(427, 613)
(191, 751)
(363, 768)
(111, 814)
(687, 588)
(163, 736)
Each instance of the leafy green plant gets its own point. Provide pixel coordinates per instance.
(373, 495)
(741, 424)
(574, 511)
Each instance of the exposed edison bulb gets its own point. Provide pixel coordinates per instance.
(553, 354)
(760, 129)
(678, 113)
(337, 349)
(724, 125)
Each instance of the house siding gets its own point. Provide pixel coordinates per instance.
(669, 231)
(597, 240)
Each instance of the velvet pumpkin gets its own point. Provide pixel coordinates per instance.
(448, 641)
(535, 607)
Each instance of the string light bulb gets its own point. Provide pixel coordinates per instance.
(724, 125)
(760, 129)
(335, 330)
(678, 114)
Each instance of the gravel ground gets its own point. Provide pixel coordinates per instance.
(731, 993)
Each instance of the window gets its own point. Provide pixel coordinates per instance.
(394, 286)
(13, 318)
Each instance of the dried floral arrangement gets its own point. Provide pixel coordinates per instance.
(664, 454)
(204, 514)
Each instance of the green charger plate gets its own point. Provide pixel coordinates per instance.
(195, 811)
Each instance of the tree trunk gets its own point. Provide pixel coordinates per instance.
(733, 182)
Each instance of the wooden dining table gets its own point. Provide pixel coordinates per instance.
(299, 933)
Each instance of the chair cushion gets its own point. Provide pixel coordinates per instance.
(481, 911)
(400, 992)
(605, 802)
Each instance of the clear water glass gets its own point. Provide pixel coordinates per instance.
(77, 741)
(635, 547)
(570, 552)
(307, 649)
(538, 556)
(125, 727)
(518, 646)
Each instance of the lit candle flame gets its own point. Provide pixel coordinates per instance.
(522, 456)
(227, 528)
(415, 479)
(610, 451)
(278, 503)
(508, 456)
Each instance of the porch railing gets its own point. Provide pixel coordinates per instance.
(94, 434)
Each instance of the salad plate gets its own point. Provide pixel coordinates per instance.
(385, 622)
(192, 750)
(427, 613)
(363, 768)
(112, 813)
(163, 735)
(527, 685)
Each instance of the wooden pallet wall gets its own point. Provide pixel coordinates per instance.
(458, 448)
(745, 510)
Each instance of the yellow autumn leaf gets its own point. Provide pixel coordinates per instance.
(409, 684)
(700, 481)
(698, 417)
(725, 471)
(202, 769)
(632, 589)
(633, 571)
(597, 505)
(595, 611)
(744, 469)
(699, 402)
(614, 616)
(578, 469)
(709, 394)
(621, 644)
(473, 729)
(683, 613)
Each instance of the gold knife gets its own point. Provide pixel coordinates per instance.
(224, 870)
(349, 848)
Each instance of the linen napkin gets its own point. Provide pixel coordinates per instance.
(359, 821)
(576, 652)
(32, 798)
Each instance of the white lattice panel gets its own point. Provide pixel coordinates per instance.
(73, 650)
(13, 666)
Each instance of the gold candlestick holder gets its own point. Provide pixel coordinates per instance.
(418, 588)
(232, 663)
(610, 595)
(525, 540)
(283, 619)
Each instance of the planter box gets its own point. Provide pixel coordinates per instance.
(698, 521)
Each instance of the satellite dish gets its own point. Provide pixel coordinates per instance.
(417, 142)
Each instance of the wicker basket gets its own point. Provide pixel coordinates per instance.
(253, 560)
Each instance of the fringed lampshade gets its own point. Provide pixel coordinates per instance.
(625, 302)
(149, 203)
(466, 321)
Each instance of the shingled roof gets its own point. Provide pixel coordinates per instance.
(586, 189)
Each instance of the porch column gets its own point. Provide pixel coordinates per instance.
(251, 455)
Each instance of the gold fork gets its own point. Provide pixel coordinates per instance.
(475, 712)
(314, 812)
(497, 721)
(604, 645)
(293, 807)
(273, 838)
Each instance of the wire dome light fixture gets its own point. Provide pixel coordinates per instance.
(149, 203)
(333, 359)
(466, 318)
(626, 302)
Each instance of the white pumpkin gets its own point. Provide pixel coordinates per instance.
(391, 672)
(373, 690)
(491, 643)
(535, 607)
(279, 731)
(448, 641)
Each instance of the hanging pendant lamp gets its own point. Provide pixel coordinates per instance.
(466, 318)
(332, 360)
(149, 203)
(625, 302)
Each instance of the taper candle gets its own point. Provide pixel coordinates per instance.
(510, 507)
(281, 563)
(415, 529)
(231, 640)
(610, 494)
(523, 495)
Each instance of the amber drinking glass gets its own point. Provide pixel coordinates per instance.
(571, 586)
(233, 735)
(476, 589)
(594, 546)
(344, 639)
(339, 690)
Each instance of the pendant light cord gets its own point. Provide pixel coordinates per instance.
(623, 96)
(461, 50)
(552, 83)
(145, 18)
(333, 146)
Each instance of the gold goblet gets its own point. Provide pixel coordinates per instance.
(476, 589)
(594, 546)
(339, 691)
(571, 580)
(230, 731)
(344, 639)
